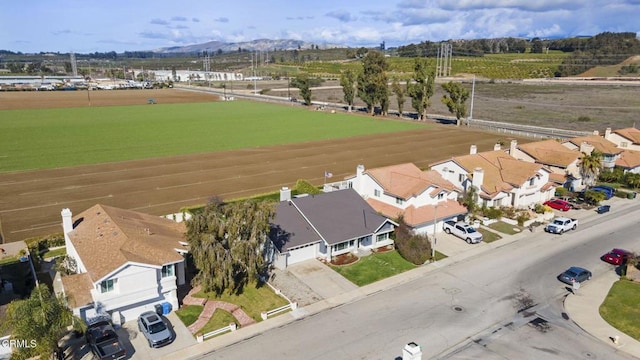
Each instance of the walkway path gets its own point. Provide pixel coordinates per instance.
(210, 307)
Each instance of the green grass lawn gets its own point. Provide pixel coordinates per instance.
(252, 300)
(219, 319)
(504, 228)
(489, 236)
(50, 138)
(374, 267)
(620, 308)
(54, 253)
(189, 314)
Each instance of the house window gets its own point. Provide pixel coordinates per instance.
(399, 201)
(440, 196)
(350, 185)
(461, 177)
(532, 181)
(107, 285)
(376, 193)
(382, 237)
(624, 144)
(344, 245)
(167, 271)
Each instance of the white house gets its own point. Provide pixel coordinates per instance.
(628, 138)
(324, 226)
(586, 144)
(423, 198)
(562, 162)
(126, 262)
(501, 179)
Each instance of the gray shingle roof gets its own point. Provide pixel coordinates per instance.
(335, 217)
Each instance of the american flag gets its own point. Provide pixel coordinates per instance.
(327, 174)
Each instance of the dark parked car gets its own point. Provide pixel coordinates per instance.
(603, 209)
(608, 191)
(616, 256)
(103, 340)
(155, 329)
(574, 274)
(558, 204)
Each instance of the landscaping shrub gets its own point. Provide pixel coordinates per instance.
(493, 213)
(561, 192)
(621, 194)
(541, 209)
(305, 187)
(522, 218)
(413, 248)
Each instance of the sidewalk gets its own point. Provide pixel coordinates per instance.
(583, 309)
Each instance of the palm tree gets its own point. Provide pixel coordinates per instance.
(590, 167)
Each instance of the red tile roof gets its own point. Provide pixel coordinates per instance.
(632, 134)
(628, 159)
(424, 214)
(598, 142)
(407, 180)
(550, 152)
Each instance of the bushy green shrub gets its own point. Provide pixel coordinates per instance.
(522, 218)
(561, 191)
(621, 194)
(413, 248)
(305, 187)
(493, 213)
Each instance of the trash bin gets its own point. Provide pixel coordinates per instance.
(166, 308)
(631, 195)
(158, 308)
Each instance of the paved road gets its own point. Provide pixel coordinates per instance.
(472, 308)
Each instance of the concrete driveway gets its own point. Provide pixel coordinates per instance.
(138, 348)
(321, 279)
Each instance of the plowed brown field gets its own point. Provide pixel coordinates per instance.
(31, 201)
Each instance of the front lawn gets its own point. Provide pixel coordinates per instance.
(253, 300)
(620, 307)
(504, 228)
(374, 267)
(489, 236)
(189, 314)
(219, 319)
(54, 253)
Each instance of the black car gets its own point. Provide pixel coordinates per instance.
(574, 274)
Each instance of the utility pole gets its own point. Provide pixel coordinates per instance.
(435, 226)
(473, 91)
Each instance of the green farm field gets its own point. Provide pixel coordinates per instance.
(53, 138)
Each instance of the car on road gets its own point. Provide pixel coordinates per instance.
(574, 274)
(603, 209)
(558, 204)
(617, 256)
(155, 329)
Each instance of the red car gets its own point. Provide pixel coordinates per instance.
(558, 205)
(616, 256)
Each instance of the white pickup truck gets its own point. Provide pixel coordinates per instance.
(462, 230)
(561, 224)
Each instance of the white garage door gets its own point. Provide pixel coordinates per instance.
(302, 254)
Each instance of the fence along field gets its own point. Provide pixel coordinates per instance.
(53, 138)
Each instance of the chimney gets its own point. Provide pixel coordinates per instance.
(478, 178)
(359, 171)
(67, 222)
(596, 132)
(473, 150)
(586, 148)
(496, 147)
(513, 147)
(607, 133)
(285, 194)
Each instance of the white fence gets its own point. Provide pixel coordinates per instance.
(203, 337)
(292, 305)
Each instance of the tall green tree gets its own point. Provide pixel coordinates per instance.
(373, 85)
(590, 167)
(348, 82)
(303, 83)
(400, 93)
(41, 320)
(227, 244)
(456, 99)
(422, 88)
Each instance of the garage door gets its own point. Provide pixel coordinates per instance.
(302, 254)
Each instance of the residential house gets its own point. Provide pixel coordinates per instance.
(562, 162)
(126, 262)
(586, 144)
(629, 161)
(324, 226)
(424, 198)
(500, 179)
(628, 138)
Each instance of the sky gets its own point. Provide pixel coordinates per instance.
(85, 26)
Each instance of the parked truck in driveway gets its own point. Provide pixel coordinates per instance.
(560, 225)
(103, 341)
(462, 230)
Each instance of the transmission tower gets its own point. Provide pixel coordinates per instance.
(443, 64)
(74, 65)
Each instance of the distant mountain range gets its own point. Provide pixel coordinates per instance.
(254, 45)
